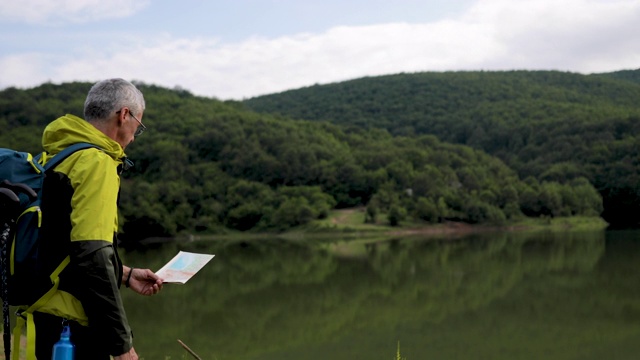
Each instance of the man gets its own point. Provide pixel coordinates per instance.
(80, 203)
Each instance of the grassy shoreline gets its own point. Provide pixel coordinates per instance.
(350, 224)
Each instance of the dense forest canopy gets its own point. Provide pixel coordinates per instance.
(206, 166)
(549, 125)
(629, 75)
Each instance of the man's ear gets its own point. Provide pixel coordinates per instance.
(122, 116)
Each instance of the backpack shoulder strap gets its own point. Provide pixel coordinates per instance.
(66, 152)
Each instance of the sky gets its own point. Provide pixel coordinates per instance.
(238, 49)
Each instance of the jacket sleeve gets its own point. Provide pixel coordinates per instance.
(96, 184)
(100, 295)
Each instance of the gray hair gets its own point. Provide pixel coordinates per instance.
(108, 96)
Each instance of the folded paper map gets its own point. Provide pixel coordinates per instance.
(183, 266)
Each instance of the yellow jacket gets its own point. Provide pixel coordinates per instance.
(80, 218)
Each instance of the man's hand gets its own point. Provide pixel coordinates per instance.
(145, 282)
(129, 355)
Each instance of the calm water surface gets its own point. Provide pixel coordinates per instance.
(509, 296)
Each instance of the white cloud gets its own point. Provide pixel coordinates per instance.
(47, 12)
(259, 65)
(573, 35)
(578, 35)
(22, 70)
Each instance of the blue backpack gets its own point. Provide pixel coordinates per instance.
(23, 282)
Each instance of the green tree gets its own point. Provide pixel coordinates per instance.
(293, 212)
(396, 215)
(371, 215)
(426, 210)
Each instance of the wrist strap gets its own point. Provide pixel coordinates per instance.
(126, 283)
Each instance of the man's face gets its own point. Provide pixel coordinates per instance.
(131, 126)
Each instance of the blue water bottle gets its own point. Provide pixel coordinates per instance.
(63, 349)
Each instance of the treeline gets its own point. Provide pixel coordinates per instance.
(205, 166)
(551, 126)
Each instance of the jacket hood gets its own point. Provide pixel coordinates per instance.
(70, 129)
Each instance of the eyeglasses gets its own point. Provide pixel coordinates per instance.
(141, 128)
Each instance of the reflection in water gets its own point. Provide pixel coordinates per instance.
(487, 296)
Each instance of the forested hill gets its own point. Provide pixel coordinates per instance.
(629, 75)
(209, 166)
(546, 124)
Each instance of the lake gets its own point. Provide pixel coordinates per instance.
(538, 295)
